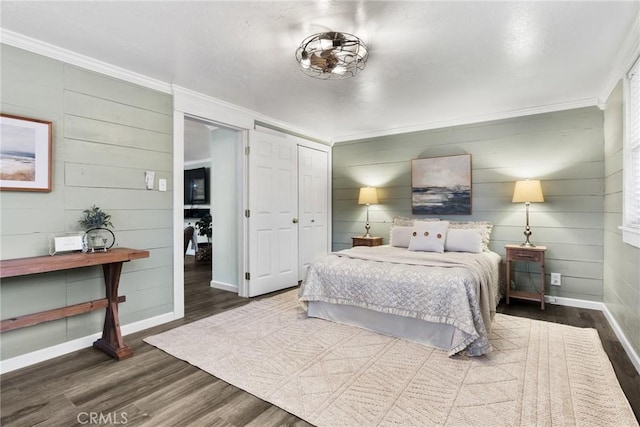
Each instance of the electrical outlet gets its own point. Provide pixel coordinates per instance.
(556, 279)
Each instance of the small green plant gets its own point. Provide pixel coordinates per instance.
(95, 217)
(204, 226)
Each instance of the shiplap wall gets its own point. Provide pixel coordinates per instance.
(563, 149)
(621, 261)
(106, 134)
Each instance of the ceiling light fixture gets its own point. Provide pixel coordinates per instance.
(332, 55)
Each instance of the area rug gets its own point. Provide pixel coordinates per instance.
(329, 374)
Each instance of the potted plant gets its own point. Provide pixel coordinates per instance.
(96, 223)
(203, 225)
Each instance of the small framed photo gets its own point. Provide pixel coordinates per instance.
(25, 154)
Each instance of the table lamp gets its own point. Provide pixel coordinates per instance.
(368, 196)
(528, 191)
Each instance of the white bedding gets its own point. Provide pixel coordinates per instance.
(456, 289)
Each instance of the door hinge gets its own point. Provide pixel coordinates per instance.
(247, 213)
(247, 276)
(247, 150)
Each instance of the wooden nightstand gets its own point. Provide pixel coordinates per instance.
(367, 241)
(530, 254)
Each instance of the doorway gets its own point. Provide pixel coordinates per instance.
(212, 202)
(239, 125)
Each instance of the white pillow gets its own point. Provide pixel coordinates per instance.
(464, 240)
(428, 236)
(400, 236)
(484, 226)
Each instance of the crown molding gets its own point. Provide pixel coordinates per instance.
(630, 50)
(589, 102)
(241, 116)
(625, 58)
(199, 105)
(45, 49)
(210, 108)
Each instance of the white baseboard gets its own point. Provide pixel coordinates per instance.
(594, 305)
(224, 286)
(573, 302)
(148, 323)
(38, 356)
(628, 348)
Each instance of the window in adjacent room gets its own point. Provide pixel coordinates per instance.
(631, 154)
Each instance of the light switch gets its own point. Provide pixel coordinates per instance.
(149, 176)
(162, 184)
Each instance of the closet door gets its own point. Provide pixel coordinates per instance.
(313, 184)
(273, 216)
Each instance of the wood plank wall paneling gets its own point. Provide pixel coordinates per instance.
(563, 149)
(106, 134)
(621, 261)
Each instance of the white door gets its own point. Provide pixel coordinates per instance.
(313, 196)
(273, 206)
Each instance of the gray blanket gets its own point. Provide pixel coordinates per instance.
(458, 289)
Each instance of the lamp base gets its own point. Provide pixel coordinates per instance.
(367, 227)
(527, 234)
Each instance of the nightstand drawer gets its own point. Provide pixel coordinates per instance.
(524, 255)
(367, 241)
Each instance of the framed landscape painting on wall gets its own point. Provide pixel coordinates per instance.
(25, 154)
(441, 185)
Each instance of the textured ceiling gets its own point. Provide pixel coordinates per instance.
(430, 62)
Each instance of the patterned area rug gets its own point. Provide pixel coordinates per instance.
(329, 374)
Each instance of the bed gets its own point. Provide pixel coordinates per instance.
(421, 292)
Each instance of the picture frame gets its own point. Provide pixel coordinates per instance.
(441, 185)
(25, 153)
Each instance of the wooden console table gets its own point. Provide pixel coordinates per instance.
(111, 262)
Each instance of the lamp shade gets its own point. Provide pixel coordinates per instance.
(368, 196)
(527, 191)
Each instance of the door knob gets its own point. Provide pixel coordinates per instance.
(294, 220)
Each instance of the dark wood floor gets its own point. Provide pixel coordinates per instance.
(156, 389)
(151, 388)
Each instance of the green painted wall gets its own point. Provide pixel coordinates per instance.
(106, 134)
(621, 267)
(563, 149)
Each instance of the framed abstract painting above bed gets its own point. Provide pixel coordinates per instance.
(441, 185)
